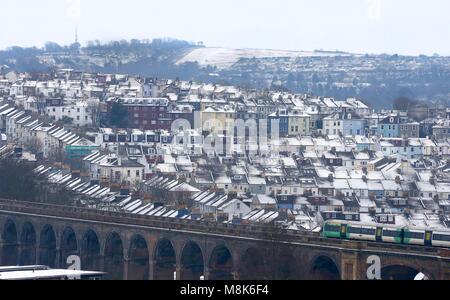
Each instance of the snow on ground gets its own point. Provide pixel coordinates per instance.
(224, 57)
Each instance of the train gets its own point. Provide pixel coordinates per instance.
(386, 234)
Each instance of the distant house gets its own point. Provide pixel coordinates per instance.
(376, 189)
(392, 189)
(3, 139)
(409, 130)
(118, 170)
(389, 127)
(286, 201)
(347, 124)
(235, 209)
(257, 185)
(443, 190)
(264, 202)
(425, 189)
(442, 130)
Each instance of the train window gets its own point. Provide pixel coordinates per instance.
(391, 233)
(368, 231)
(334, 228)
(415, 235)
(441, 237)
(355, 230)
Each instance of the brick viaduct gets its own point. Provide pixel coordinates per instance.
(155, 248)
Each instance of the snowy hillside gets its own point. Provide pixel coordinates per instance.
(224, 58)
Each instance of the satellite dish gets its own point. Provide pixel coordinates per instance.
(421, 276)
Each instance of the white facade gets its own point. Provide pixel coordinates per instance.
(79, 113)
(332, 126)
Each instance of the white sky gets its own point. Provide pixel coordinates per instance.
(360, 26)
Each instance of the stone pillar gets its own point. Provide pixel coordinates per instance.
(178, 272)
(444, 270)
(38, 255)
(58, 259)
(20, 250)
(206, 273)
(37, 247)
(236, 260)
(151, 270)
(126, 267)
(349, 266)
(236, 275)
(101, 262)
(1, 253)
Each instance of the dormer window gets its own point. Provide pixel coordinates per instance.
(391, 120)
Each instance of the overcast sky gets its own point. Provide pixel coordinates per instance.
(360, 26)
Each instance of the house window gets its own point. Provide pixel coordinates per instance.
(137, 173)
(129, 173)
(238, 206)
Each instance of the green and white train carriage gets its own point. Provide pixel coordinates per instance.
(385, 233)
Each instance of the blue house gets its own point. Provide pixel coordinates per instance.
(286, 201)
(375, 189)
(389, 127)
(282, 117)
(353, 124)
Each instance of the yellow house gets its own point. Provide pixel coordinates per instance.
(218, 119)
(299, 123)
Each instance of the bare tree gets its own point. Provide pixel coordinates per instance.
(94, 110)
(34, 145)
